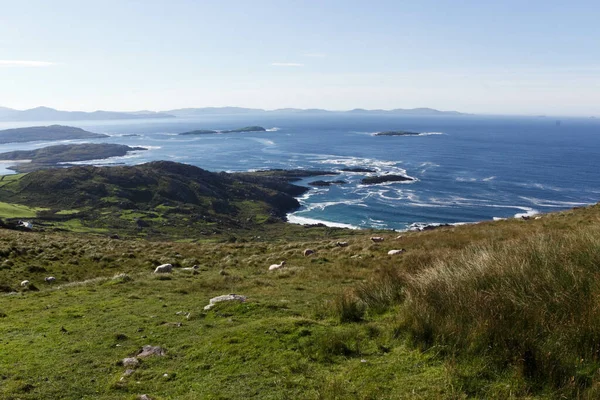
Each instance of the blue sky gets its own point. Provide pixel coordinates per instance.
(505, 57)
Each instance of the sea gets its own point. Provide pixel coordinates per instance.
(465, 168)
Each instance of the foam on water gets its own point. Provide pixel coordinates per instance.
(296, 219)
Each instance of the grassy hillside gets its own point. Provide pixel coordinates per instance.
(492, 310)
(155, 200)
(53, 156)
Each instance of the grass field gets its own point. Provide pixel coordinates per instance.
(492, 310)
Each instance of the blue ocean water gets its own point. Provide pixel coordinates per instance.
(467, 168)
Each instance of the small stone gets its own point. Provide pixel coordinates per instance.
(128, 372)
(148, 351)
(130, 362)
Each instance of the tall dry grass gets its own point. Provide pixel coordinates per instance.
(530, 304)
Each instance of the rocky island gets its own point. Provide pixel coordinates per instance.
(238, 130)
(327, 183)
(359, 170)
(46, 133)
(373, 180)
(52, 156)
(397, 133)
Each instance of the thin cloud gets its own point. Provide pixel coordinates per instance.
(25, 63)
(278, 64)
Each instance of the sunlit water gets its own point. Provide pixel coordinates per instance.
(467, 169)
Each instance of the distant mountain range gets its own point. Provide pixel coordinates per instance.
(50, 114)
(192, 112)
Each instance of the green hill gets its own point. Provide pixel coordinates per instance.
(157, 199)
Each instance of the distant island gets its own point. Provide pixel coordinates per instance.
(46, 133)
(397, 133)
(194, 112)
(373, 180)
(238, 130)
(51, 114)
(52, 156)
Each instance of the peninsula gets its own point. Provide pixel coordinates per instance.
(52, 156)
(46, 133)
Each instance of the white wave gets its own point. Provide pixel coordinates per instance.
(275, 129)
(471, 179)
(105, 161)
(428, 164)
(377, 165)
(295, 219)
(542, 186)
(529, 212)
(325, 204)
(389, 183)
(420, 226)
(431, 133)
(262, 141)
(302, 199)
(553, 203)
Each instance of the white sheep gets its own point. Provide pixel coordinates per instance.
(342, 244)
(377, 239)
(50, 279)
(394, 252)
(163, 269)
(25, 283)
(277, 266)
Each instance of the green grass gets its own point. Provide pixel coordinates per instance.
(8, 210)
(493, 310)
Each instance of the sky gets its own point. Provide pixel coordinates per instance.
(502, 57)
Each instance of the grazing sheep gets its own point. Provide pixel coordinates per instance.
(394, 252)
(377, 239)
(277, 266)
(399, 237)
(25, 283)
(25, 224)
(50, 279)
(342, 244)
(163, 269)
(308, 252)
(195, 267)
